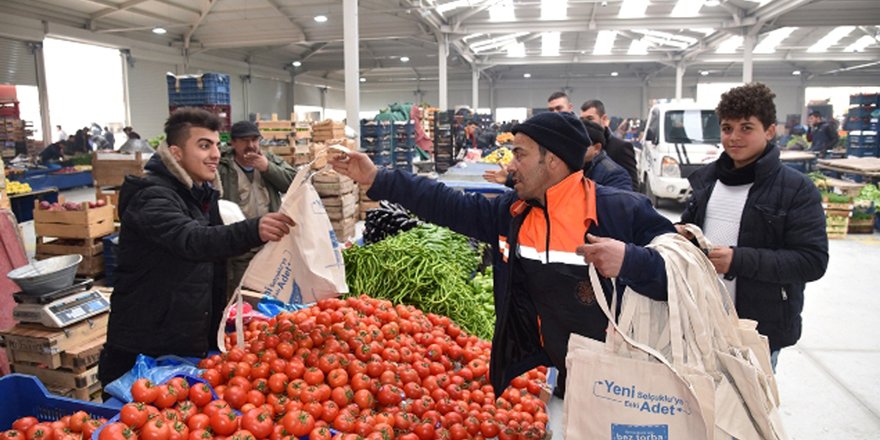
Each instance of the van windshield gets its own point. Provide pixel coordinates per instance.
(692, 126)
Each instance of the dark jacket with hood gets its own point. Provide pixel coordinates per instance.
(622, 153)
(518, 344)
(781, 245)
(170, 278)
(605, 171)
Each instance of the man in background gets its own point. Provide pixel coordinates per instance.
(558, 102)
(823, 134)
(252, 179)
(619, 150)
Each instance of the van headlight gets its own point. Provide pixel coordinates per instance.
(669, 167)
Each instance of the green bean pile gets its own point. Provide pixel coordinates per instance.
(428, 267)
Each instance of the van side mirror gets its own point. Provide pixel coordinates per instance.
(651, 137)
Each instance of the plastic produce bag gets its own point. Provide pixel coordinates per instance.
(158, 370)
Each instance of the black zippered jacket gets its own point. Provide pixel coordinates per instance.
(782, 244)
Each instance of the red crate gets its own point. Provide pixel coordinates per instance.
(10, 109)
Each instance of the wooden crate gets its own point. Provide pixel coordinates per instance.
(60, 377)
(280, 151)
(110, 169)
(66, 246)
(90, 266)
(341, 212)
(88, 223)
(111, 195)
(861, 226)
(85, 356)
(42, 343)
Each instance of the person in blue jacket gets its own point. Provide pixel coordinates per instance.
(598, 166)
(543, 236)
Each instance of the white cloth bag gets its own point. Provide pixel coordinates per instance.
(303, 267)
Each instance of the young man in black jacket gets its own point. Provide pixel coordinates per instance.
(170, 280)
(765, 220)
(620, 151)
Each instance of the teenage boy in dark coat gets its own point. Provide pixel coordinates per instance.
(171, 276)
(764, 219)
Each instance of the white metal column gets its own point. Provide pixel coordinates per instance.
(748, 48)
(442, 53)
(475, 89)
(352, 63)
(492, 106)
(43, 93)
(679, 77)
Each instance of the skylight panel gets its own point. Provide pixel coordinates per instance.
(861, 44)
(455, 4)
(554, 9)
(730, 45)
(773, 39)
(831, 39)
(494, 43)
(638, 47)
(516, 50)
(633, 8)
(604, 42)
(550, 44)
(687, 8)
(502, 11)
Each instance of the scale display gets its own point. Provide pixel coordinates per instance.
(65, 311)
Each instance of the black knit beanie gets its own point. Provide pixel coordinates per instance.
(560, 132)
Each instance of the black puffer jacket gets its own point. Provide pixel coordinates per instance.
(781, 245)
(170, 286)
(624, 154)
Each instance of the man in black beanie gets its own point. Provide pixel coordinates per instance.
(543, 236)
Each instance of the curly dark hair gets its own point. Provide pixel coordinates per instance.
(178, 124)
(753, 99)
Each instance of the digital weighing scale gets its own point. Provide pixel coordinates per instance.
(62, 307)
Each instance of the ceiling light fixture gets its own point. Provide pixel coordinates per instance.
(321, 18)
(704, 73)
(297, 63)
(404, 59)
(614, 73)
(363, 80)
(796, 72)
(527, 75)
(158, 30)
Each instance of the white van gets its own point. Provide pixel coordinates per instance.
(681, 136)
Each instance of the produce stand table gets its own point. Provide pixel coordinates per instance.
(800, 160)
(23, 204)
(469, 178)
(861, 166)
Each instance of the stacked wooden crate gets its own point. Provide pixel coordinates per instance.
(109, 170)
(65, 360)
(300, 141)
(327, 129)
(74, 232)
(339, 195)
(276, 129)
(366, 203)
(837, 217)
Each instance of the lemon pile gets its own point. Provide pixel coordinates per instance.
(13, 187)
(501, 155)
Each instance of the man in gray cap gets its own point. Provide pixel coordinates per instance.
(543, 236)
(254, 180)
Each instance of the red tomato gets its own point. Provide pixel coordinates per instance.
(116, 431)
(40, 431)
(224, 422)
(259, 422)
(167, 396)
(134, 414)
(24, 423)
(143, 391)
(178, 430)
(198, 421)
(156, 429)
(298, 423)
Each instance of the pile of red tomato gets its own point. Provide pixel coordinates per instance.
(77, 426)
(367, 368)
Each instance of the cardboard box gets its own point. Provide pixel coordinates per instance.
(37, 339)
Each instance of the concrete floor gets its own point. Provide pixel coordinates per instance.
(829, 382)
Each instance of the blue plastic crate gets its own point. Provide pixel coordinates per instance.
(207, 89)
(865, 99)
(861, 151)
(24, 395)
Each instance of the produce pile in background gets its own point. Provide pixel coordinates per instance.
(429, 267)
(71, 206)
(363, 366)
(869, 193)
(14, 187)
(502, 155)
